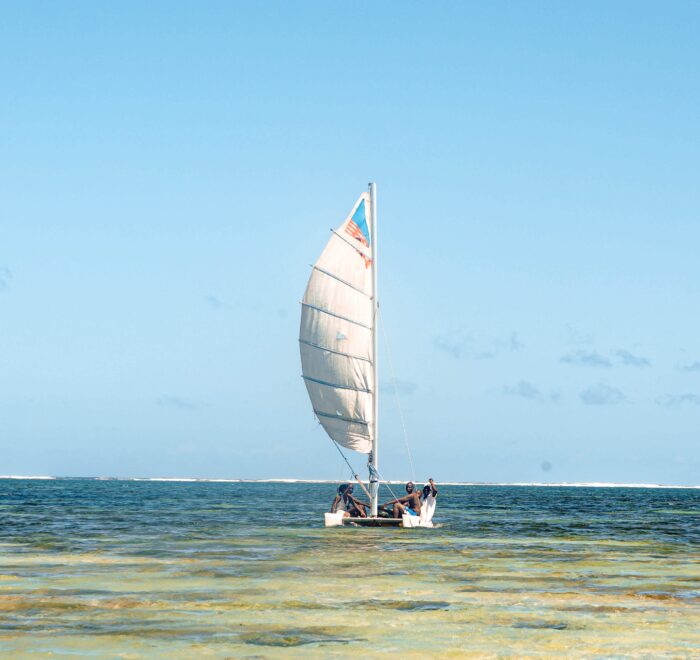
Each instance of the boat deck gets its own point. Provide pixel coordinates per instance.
(373, 522)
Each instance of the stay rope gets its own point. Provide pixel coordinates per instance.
(386, 483)
(352, 470)
(396, 395)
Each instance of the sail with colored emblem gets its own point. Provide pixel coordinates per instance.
(336, 338)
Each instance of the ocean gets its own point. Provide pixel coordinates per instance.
(170, 569)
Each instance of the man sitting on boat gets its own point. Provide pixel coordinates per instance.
(344, 501)
(409, 503)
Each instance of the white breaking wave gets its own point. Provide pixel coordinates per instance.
(393, 482)
(396, 482)
(170, 479)
(21, 476)
(595, 484)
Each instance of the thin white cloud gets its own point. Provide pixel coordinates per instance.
(214, 302)
(630, 360)
(176, 402)
(514, 343)
(690, 367)
(586, 359)
(460, 344)
(523, 389)
(674, 400)
(602, 395)
(573, 336)
(5, 277)
(448, 345)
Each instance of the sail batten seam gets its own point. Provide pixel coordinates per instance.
(336, 386)
(342, 281)
(332, 350)
(338, 316)
(347, 242)
(318, 413)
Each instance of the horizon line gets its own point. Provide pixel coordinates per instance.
(541, 484)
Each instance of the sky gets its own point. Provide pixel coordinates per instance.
(168, 171)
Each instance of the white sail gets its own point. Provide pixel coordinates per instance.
(335, 337)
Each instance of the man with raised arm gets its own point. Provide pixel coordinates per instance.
(428, 501)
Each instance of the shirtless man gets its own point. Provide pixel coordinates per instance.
(409, 503)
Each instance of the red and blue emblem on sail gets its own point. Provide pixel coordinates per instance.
(357, 227)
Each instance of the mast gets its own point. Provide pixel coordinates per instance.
(373, 463)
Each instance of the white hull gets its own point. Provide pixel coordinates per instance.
(333, 519)
(338, 520)
(415, 521)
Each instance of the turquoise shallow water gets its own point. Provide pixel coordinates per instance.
(182, 569)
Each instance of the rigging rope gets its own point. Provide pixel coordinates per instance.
(386, 483)
(398, 400)
(352, 471)
(356, 476)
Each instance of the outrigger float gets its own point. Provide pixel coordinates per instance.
(339, 356)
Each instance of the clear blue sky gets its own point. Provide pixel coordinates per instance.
(168, 171)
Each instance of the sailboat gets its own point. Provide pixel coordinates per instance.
(338, 344)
